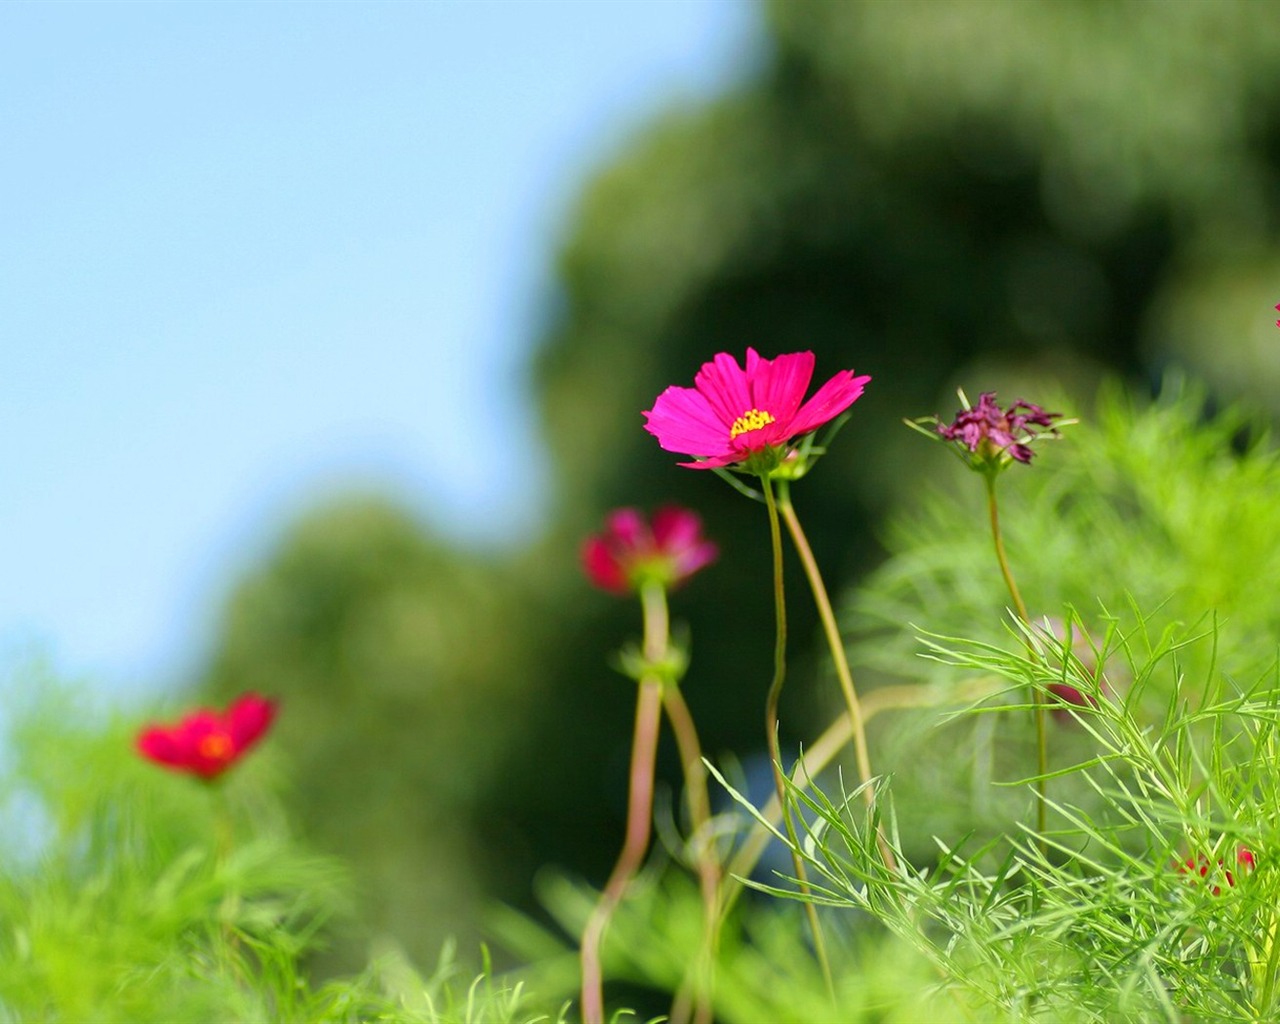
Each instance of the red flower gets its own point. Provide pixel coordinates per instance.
(1198, 866)
(631, 552)
(206, 742)
(732, 415)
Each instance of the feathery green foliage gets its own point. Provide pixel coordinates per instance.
(129, 893)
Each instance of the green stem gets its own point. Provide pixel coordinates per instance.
(704, 850)
(771, 728)
(1037, 699)
(1272, 948)
(819, 754)
(644, 748)
(839, 658)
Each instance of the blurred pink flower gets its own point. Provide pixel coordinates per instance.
(731, 414)
(1068, 694)
(207, 742)
(631, 552)
(1198, 867)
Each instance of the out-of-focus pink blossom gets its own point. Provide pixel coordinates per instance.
(632, 551)
(207, 742)
(1198, 866)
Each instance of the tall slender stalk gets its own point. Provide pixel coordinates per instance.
(1037, 699)
(702, 842)
(644, 749)
(838, 657)
(771, 728)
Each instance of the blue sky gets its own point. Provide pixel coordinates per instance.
(251, 253)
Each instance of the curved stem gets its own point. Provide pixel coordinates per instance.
(771, 728)
(702, 841)
(644, 748)
(839, 658)
(823, 751)
(1037, 699)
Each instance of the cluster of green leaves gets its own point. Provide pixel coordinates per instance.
(1158, 900)
(1142, 519)
(131, 893)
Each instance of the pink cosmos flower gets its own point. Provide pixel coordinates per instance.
(733, 415)
(631, 552)
(206, 742)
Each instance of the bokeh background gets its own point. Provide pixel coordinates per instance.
(325, 330)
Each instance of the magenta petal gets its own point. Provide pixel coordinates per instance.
(683, 421)
(731, 458)
(691, 559)
(726, 388)
(626, 528)
(248, 718)
(779, 384)
(601, 566)
(675, 528)
(157, 744)
(830, 400)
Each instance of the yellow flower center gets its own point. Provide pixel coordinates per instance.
(753, 419)
(216, 746)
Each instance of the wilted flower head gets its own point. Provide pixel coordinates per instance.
(1198, 866)
(993, 436)
(206, 742)
(631, 552)
(735, 416)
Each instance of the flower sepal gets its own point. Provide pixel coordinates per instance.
(630, 660)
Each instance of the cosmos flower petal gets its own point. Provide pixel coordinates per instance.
(779, 384)
(248, 719)
(627, 527)
(830, 400)
(601, 567)
(683, 421)
(731, 458)
(160, 745)
(725, 386)
(678, 531)
(674, 526)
